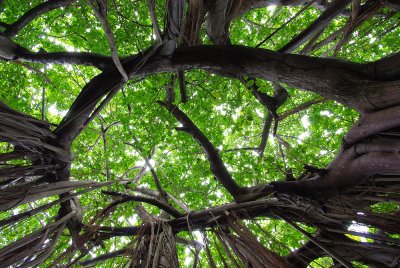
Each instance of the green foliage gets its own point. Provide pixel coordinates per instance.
(138, 128)
(385, 207)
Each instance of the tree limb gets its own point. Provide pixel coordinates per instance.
(301, 107)
(217, 165)
(110, 37)
(317, 25)
(152, 201)
(79, 58)
(319, 244)
(32, 14)
(154, 21)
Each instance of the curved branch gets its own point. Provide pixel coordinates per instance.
(372, 124)
(32, 14)
(152, 201)
(335, 79)
(345, 82)
(331, 78)
(368, 254)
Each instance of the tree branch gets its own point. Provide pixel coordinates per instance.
(173, 27)
(152, 201)
(101, 16)
(317, 25)
(107, 256)
(161, 191)
(372, 124)
(372, 7)
(79, 58)
(301, 107)
(217, 165)
(347, 83)
(284, 25)
(32, 14)
(332, 253)
(265, 134)
(182, 86)
(154, 21)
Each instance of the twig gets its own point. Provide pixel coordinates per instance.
(36, 70)
(157, 181)
(283, 25)
(103, 135)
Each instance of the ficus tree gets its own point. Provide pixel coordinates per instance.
(259, 133)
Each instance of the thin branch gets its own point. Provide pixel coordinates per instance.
(154, 21)
(110, 38)
(265, 134)
(321, 22)
(366, 235)
(241, 149)
(372, 8)
(301, 107)
(332, 37)
(32, 14)
(100, 107)
(29, 213)
(170, 90)
(43, 103)
(104, 137)
(179, 203)
(286, 23)
(307, 47)
(271, 104)
(104, 257)
(182, 86)
(36, 70)
(157, 181)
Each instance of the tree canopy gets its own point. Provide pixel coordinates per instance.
(199, 133)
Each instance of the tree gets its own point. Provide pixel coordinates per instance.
(247, 133)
